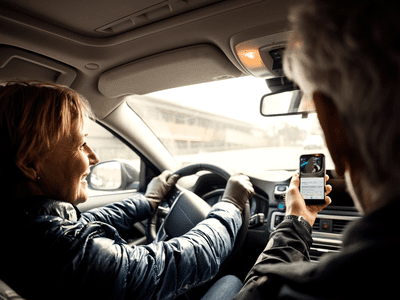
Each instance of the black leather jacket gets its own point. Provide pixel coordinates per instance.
(366, 268)
(49, 250)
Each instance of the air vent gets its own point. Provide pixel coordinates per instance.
(318, 249)
(330, 224)
(327, 232)
(339, 225)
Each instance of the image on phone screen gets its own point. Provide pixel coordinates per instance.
(312, 177)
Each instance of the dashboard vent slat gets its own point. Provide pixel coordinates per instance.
(327, 231)
(339, 225)
(336, 224)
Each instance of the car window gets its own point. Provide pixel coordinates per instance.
(220, 123)
(119, 165)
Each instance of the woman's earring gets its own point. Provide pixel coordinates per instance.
(38, 178)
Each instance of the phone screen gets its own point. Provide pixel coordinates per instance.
(312, 177)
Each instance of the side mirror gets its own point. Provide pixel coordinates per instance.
(286, 102)
(112, 176)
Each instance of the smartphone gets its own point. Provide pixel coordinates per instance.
(312, 178)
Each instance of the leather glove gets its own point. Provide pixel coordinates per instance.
(159, 187)
(238, 190)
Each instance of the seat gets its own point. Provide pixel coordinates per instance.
(7, 293)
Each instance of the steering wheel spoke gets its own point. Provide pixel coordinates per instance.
(161, 235)
(162, 212)
(173, 194)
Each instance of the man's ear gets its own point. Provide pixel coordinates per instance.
(30, 170)
(335, 136)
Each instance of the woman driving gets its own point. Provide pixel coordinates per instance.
(50, 250)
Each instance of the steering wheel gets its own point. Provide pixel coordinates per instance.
(187, 210)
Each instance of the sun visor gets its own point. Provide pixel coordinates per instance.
(181, 67)
(18, 64)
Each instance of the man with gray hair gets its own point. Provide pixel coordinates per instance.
(346, 56)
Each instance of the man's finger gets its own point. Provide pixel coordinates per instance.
(295, 180)
(328, 189)
(328, 201)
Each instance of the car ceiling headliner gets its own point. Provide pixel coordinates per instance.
(67, 33)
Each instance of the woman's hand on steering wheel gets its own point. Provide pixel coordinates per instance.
(238, 191)
(183, 202)
(159, 187)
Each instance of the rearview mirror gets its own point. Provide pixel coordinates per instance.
(286, 102)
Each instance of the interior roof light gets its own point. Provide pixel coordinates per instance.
(250, 58)
(260, 56)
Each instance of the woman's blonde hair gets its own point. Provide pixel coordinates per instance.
(34, 116)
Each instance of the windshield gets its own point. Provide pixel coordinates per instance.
(220, 123)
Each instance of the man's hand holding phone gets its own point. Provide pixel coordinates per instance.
(295, 204)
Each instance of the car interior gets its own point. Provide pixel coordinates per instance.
(118, 54)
